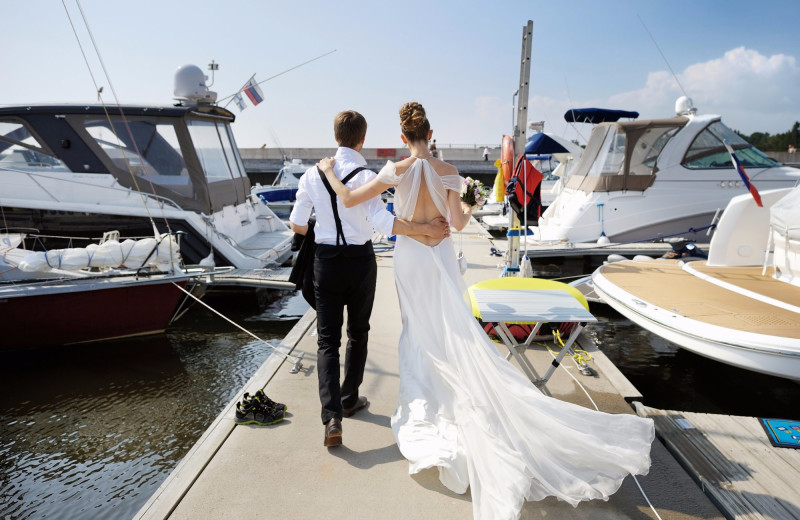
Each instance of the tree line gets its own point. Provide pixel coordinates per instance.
(774, 143)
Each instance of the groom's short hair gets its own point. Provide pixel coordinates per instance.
(349, 128)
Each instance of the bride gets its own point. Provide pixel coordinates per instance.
(461, 406)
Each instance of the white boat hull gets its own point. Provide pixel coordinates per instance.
(772, 355)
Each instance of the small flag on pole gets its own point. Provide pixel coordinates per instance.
(253, 91)
(742, 174)
(237, 98)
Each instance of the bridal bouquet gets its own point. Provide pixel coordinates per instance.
(474, 193)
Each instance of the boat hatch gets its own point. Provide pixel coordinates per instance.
(708, 151)
(623, 156)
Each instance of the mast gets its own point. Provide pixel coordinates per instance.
(520, 139)
(524, 83)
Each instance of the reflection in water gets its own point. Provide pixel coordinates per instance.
(91, 431)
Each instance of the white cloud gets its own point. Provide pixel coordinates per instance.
(752, 92)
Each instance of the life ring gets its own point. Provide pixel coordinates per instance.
(507, 157)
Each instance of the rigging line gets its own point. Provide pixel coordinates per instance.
(662, 56)
(105, 109)
(230, 97)
(127, 127)
(108, 116)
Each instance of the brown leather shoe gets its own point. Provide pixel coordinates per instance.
(333, 432)
(361, 403)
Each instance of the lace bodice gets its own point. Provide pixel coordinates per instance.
(408, 183)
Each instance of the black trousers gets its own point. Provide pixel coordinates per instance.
(344, 277)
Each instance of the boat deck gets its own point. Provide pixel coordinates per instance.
(734, 462)
(270, 278)
(283, 470)
(665, 284)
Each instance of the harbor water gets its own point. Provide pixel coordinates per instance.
(91, 431)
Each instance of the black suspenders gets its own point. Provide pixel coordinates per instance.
(339, 231)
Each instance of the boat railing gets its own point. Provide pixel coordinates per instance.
(157, 198)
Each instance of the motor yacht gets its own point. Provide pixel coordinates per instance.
(646, 180)
(81, 170)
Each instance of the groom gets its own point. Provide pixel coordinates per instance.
(345, 270)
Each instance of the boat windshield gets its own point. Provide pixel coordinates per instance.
(215, 150)
(20, 150)
(288, 178)
(145, 149)
(708, 151)
(645, 147)
(623, 156)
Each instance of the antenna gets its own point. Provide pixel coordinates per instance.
(230, 98)
(213, 66)
(663, 57)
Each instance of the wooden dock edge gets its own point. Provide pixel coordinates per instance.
(167, 497)
(726, 456)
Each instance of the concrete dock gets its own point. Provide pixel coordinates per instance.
(283, 471)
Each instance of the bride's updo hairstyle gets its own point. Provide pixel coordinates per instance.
(413, 122)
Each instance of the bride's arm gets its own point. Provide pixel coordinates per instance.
(460, 212)
(350, 197)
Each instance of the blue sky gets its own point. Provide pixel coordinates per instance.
(460, 59)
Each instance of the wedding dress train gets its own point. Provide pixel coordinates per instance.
(466, 410)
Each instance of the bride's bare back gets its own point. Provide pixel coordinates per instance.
(425, 209)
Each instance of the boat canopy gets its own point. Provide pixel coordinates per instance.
(548, 144)
(623, 156)
(597, 115)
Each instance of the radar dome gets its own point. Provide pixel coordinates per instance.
(684, 106)
(190, 86)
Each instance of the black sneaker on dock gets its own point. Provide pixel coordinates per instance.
(262, 398)
(257, 413)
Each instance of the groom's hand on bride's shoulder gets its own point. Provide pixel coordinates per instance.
(438, 228)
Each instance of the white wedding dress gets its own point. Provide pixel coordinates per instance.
(466, 410)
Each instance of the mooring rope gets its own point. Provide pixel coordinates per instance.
(204, 304)
(641, 490)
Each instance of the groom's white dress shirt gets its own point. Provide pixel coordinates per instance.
(358, 222)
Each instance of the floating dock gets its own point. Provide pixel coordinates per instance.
(284, 471)
(733, 461)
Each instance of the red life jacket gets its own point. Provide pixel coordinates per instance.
(524, 189)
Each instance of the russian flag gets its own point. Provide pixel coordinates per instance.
(253, 92)
(742, 174)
